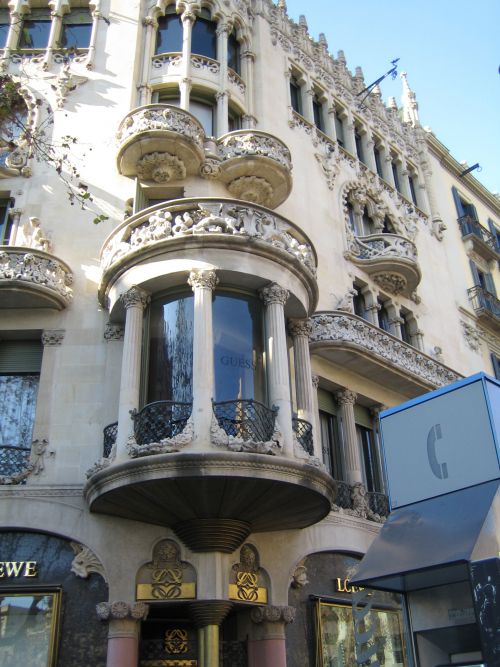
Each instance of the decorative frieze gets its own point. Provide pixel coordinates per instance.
(164, 446)
(233, 443)
(471, 335)
(120, 610)
(160, 168)
(336, 327)
(166, 577)
(382, 245)
(273, 614)
(247, 578)
(156, 117)
(36, 268)
(258, 144)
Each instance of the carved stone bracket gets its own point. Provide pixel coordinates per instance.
(85, 562)
(203, 279)
(161, 168)
(299, 577)
(119, 610)
(471, 335)
(391, 282)
(252, 188)
(300, 327)
(135, 296)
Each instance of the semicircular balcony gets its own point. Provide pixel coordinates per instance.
(228, 233)
(351, 342)
(33, 278)
(255, 166)
(391, 259)
(160, 143)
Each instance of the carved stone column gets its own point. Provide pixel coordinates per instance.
(247, 61)
(223, 30)
(188, 18)
(368, 145)
(346, 400)
(54, 36)
(300, 331)
(266, 647)
(278, 376)
(134, 301)
(123, 636)
(318, 450)
(222, 112)
(203, 283)
(208, 616)
(15, 215)
(405, 183)
(349, 140)
(151, 25)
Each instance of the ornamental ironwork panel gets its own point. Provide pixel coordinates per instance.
(469, 225)
(343, 498)
(304, 433)
(109, 432)
(481, 299)
(13, 460)
(246, 419)
(160, 420)
(378, 503)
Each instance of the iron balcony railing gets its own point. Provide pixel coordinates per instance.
(378, 503)
(482, 300)
(160, 420)
(109, 438)
(304, 434)
(343, 498)
(13, 460)
(469, 225)
(246, 419)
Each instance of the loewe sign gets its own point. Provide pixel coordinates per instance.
(11, 569)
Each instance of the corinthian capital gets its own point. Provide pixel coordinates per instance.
(203, 279)
(346, 397)
(274, 293)
(119, 610)
(300, 327)
(273, 614)
(135, 296)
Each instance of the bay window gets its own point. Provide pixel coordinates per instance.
(204, 36)
(169, 33)
(233, 53)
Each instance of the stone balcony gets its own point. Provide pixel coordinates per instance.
(353, 343)
(486, 307)
(160, 143)
(33, 278)
(390, 259)
(480, 239)
(255, 166)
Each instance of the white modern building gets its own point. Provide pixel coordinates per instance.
(190, 388)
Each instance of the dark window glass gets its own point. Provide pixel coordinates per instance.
(234, 121)
(5, 221)
(469, 209)
(204, 112)
(359, 304)
(405, 329)
(171, 350)
(204, 38)
(4, 27)
(35, 30)
(350, 213)
(413, 193)
(169, 34)
(359, 146)
(368, 446)
(238, 348)
(330, 442)
(383, 317)
(378, 161)
(387, 228)
(318, 113)
(395, 175)
(77, 28)
(339, 129)
(233, 53)
(295, 95)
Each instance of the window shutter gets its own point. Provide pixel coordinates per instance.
(495, 232)
(458, 203)
(495, 361)
(490, 284)
(475, 273)
(20, 356)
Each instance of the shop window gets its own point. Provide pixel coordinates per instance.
(233, 53)
(29, 627)
(295, 94)
(169, 33)
(35, 29)
(76, 29)
(20, 363)
(318, 112)
(4, 27)
(5, 220)
(204, 37)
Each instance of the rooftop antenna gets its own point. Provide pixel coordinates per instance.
(393, 72)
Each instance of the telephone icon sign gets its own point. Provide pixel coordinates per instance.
(440, 470)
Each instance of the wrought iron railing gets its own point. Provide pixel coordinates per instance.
(483, 300)
(109, 432)
(469, 225)
(13, 460)
(304, 434)
(378, 503)
(343, 498)
(160, 420)
(246, 419)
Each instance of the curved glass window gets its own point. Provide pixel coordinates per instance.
(204, 38)
(238, 348)
(171, 350)
(233, 53)
(169, 34)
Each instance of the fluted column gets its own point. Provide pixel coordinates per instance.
(124, 625)
(188, 18)
(300, 331)
(349, 141)
(208, 616)
(151, 25)
(222, 113)
(318, 451)
(247, 62)
(134, 301)
(223, 30)
(346, 400)
(54, 35)
(266, 645)
(405, 184)
(274, 298)
(203, 283)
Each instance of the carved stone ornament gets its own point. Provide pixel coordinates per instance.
(165, 446)
(438, 228)
(85, 562)
(210, 169)
(119, 610)
(344, 328)
(31, 236)
(253, 189)
(273, 614)
(471, 335)
(114, 331)
(346, 397)
(158, 117)
(299, 577)
(274, 293)
(51, 337)
(161, 168)
(203, 279)
(346, 303)
(166, 576)
(391, 282)
(34, 465)
(253, 143)
(34, 267)
(220, 438)
(246, 577)
(360, 504)
(229, 218)
(329, 166)
(300, 327)
(65, 83)
(134, 297)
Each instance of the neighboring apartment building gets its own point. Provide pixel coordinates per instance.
(279, 263)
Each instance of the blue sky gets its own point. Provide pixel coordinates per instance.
(450, 50)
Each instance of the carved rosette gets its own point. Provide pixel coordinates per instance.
(253, 189)
(203, 279)
(135, 297)
(119, 610)
(274, 293)
(210, 169)
(53, 337)
(273, 614)
(160, 168)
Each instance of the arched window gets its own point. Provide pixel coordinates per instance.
(169, 33)
(204, 37)
(233, 52)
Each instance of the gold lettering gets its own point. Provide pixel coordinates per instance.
(31, 569)
(14, 568)
(2, 571)
(342, 586)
